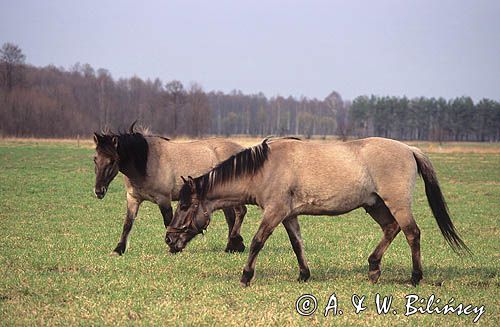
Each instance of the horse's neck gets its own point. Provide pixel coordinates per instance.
(233, 193)
(129, 168)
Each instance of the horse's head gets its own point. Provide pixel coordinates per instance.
(190, 219)
(106, 162)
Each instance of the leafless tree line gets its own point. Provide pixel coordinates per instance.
(56, 102)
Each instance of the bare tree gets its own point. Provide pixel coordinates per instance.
(104, 81)
(343, 127)
(11, 64)
(177, 97)
(334, 102)
(199, 110)
(54, 102)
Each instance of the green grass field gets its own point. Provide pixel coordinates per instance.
(55, 240)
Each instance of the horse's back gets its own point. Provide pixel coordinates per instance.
(171, 160)
(344, 175)
(318, 176)
(223, 148)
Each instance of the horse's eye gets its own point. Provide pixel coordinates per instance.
(95, 160)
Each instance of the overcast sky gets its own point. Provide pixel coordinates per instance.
(413, 48)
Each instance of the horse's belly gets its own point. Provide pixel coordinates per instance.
(335, 200)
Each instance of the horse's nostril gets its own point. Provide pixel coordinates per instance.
(100, 192)
(168, 240)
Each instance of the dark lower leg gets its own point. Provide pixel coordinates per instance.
(257, 244)
(132, 209)
(390, 232)
(293, 230)
(412, 234)
(240, 213)
(235, 241)
(167, 214)
(122, 245)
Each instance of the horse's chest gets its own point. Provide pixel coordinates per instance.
(145, 194)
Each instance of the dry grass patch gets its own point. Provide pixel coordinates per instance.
(246, 141)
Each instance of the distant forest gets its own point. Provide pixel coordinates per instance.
(56, 102)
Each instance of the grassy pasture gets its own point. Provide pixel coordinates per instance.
(55, 238)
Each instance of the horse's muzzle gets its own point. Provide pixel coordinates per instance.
(100, 192)
(174, 244)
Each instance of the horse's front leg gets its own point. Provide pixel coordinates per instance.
(166, 212)
(132, 209)
(266, 228)
(234, 219)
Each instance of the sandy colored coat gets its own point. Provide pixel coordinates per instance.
(152, 167)
(169, 160)
(327, 179)
(287, 178)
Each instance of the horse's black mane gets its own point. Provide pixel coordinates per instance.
(246, 162)
(132, 147)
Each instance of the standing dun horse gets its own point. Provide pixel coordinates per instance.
(287, 178)
(151, 166)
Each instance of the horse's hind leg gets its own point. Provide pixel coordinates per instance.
(381, 214)
(132, 209)
(293, 229)
(412, 233)
(406, 222)
(234, 219)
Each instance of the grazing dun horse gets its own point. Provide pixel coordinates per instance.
(151, 166)
(287, 178)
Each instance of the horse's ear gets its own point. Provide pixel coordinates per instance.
(131, 128)
(114, 140)
(192, 184)
(96, 138)
(184, 180)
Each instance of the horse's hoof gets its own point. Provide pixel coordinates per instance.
(304, 276)
(374, 276)
(414, 283)
(235, 245)
(119, 250)
(245, 284)
(114, 254)
(416, 277)
(234, 249)
(246, 278)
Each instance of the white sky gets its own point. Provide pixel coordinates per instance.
(413, 48)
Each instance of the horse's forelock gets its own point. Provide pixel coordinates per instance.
(105, 145)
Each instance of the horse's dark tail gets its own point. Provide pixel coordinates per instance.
(437, 201)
